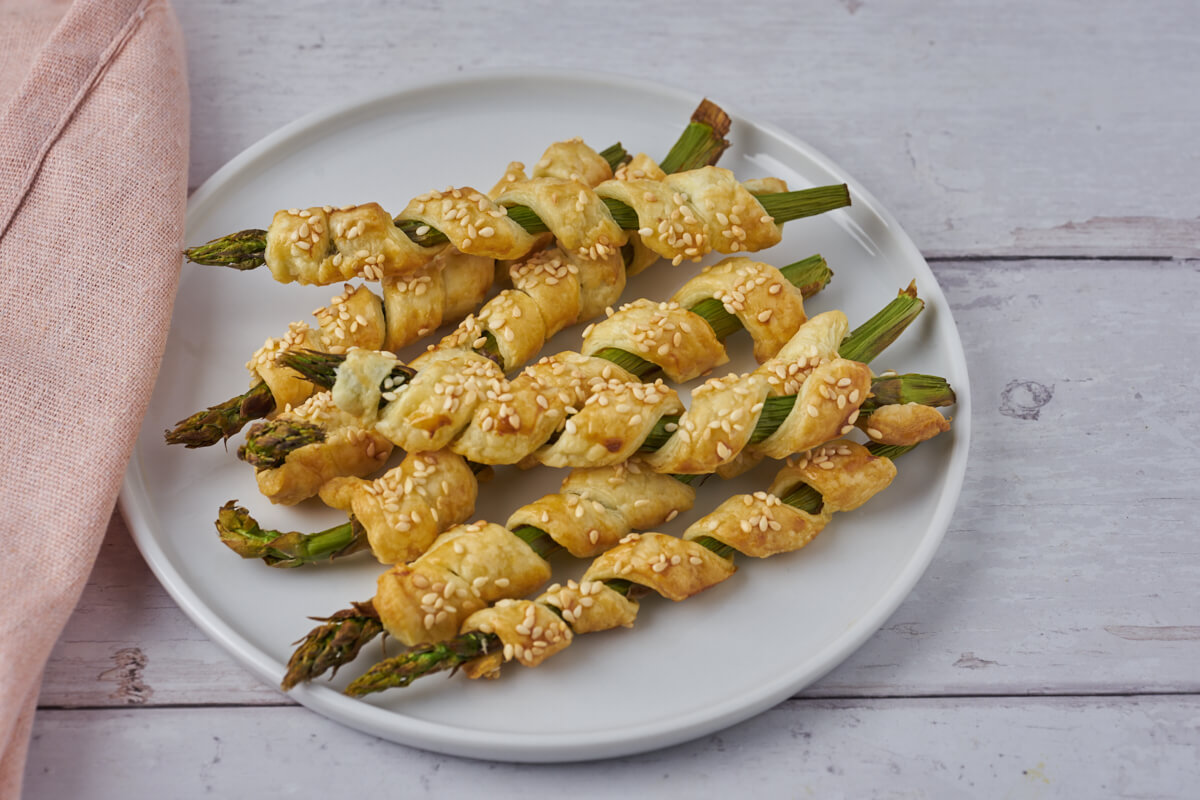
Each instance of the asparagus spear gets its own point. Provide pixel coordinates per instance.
(217, 423)
(239, 530)
(863, 341)
(401, 670)
(701, 143)
(342, 636)
(246, 249)
(864, 344)
(243, 535)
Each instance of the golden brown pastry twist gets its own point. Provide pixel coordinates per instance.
(682, 216)
(469, 566)
(846, 475)
(406, 508)
(461, 399)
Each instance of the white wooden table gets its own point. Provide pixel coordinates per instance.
(1044, 157)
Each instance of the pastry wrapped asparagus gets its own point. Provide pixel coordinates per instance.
(454, 370)
(678, 216)
(838, 476)
(552, 288)
(556, 413)
(580, 524)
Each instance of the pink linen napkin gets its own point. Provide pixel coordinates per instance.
(93, 189)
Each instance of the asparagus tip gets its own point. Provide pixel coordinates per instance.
(332, 644)
(269, 443)
(217, 423)
(243, 250)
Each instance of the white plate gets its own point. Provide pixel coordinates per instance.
(686, 669)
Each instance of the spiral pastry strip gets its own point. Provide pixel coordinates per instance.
(759, 525)
(347, 449)
(461, 399)
(684, 215)
(469, 566)
(903, 424)
(405, 509)
(454, 283)
(352, 319)
(617, 417)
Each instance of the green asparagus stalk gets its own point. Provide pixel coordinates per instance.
(221, 421)
(247, 249)
(243, 535)
(401, 670)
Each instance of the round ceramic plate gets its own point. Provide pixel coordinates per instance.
(686, 669)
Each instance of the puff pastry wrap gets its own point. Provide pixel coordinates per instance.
(510, 422)
(352, 319)
(348, 449)
(405, 509)
(461, 399)
(681, 216)
(470, 566)
(757, 525)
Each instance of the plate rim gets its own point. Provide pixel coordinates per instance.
(608, 742)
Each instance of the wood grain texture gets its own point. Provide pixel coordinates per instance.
(979, 747)
(988, 129)
(1043, 156)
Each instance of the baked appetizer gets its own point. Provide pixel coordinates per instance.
(596, 507)
(432, 400)
(839, 476)
(557, 413)
(551, 289)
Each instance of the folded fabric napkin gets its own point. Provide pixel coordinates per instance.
(93, 189)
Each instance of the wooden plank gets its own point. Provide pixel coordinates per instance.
(1070, 567)
(988, 130)
(981, 747)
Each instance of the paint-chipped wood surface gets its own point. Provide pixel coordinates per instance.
(1043, 156)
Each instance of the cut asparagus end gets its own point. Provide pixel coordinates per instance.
(332, 644)
(875, 335)
(268, 443)
(928, 390)
(241, 251)
(219, 422)
(787, 206)
(242, 534)
(702, 142)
